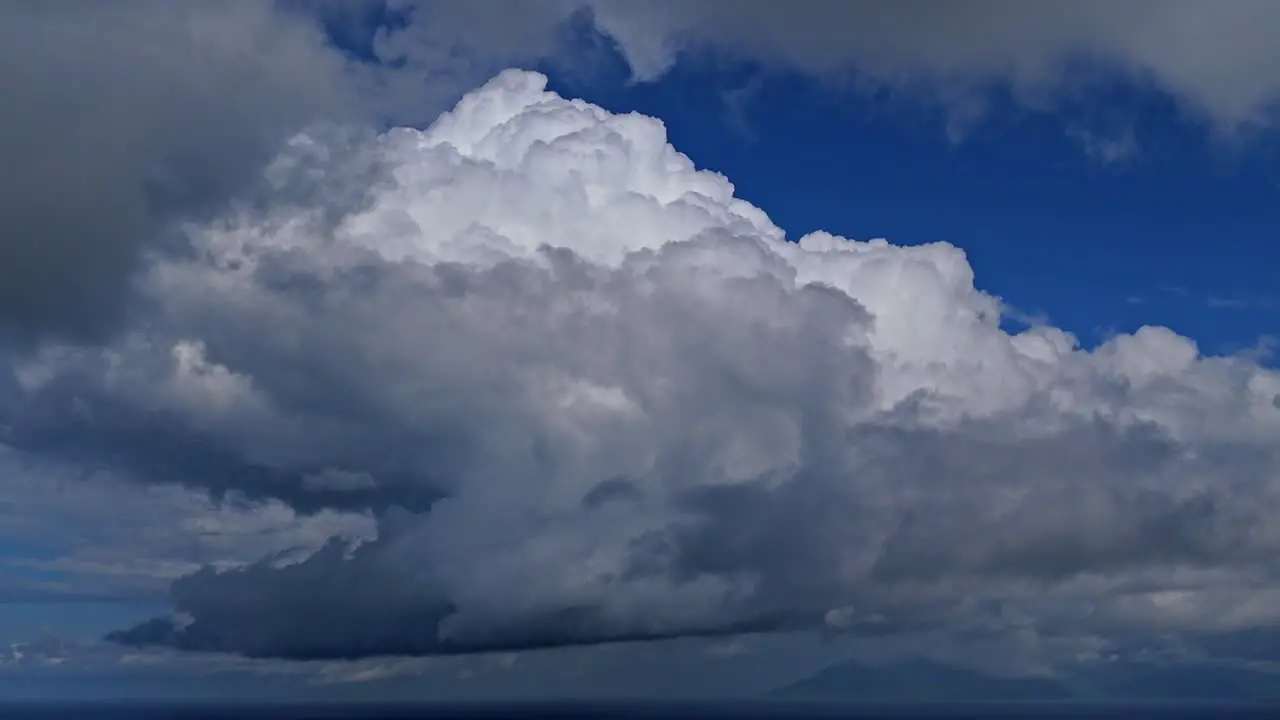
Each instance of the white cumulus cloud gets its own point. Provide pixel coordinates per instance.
(591, 395)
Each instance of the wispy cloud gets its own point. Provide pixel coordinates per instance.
(737, 102)
(1106, 148)
(1243, 303)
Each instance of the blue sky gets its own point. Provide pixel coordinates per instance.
(319, 317)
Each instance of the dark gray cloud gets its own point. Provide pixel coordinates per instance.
(794, 540)
(348, 604)
(124, 116)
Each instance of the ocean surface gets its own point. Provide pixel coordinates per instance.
(638, 711)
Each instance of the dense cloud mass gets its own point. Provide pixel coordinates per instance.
(591, 396)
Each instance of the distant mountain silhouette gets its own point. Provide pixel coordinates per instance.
(928, 681)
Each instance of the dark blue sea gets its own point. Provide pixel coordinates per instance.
(639, 711)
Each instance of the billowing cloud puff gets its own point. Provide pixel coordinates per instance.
(591, 396)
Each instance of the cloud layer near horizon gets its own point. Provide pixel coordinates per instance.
(591, 395)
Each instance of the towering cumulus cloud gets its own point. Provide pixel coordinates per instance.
(591, 396)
